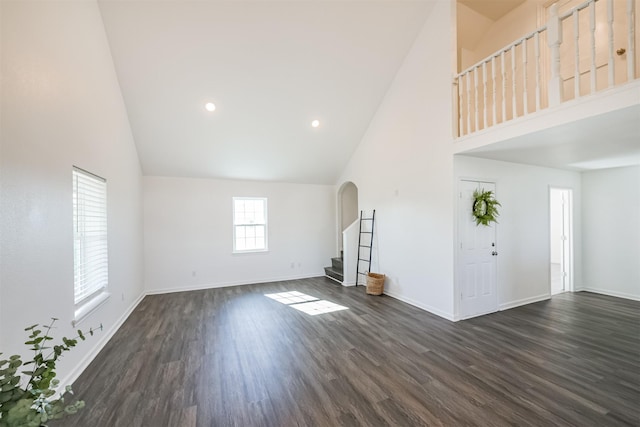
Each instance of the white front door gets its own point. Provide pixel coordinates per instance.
(477, 256)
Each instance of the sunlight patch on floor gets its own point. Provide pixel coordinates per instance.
(292, 297)
(319, 307)
(306, 303)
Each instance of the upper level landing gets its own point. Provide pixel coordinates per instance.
(564, 92)
(598, 131)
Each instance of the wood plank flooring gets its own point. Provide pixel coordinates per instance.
(232, 357)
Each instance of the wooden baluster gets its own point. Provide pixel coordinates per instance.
(484, 84)
(503, 70)
(514, 102)
(612, 71)
(525, 97)
(475, 82)
(494, 119)
(576, 41)
(536, 45)
(468, 86)
(631, 51)
(554, 39)
(459, 81)
(592, 30)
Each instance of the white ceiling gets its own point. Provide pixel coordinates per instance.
(605, 141)
(270, 67)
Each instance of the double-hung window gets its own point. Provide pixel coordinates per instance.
(249, 224)
(90, 254)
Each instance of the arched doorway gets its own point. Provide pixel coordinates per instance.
(347, 208)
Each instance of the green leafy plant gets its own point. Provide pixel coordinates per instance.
(485, 207)
(28, 397)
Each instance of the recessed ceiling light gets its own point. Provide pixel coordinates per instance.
(315, 123)
(210, 106)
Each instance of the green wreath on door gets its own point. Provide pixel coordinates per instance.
(485, 207)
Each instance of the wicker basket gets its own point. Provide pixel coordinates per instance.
(375, 283)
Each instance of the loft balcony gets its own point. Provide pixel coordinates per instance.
(564, 95)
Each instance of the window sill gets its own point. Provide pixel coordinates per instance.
(252, 251)
(89, 307)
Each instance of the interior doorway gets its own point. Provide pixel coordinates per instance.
(347, 208)
(560, 238)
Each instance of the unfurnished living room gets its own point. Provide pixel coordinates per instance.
(319, 213)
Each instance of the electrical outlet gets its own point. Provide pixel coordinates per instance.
(293, 265)
(193, 274)
(123, 296)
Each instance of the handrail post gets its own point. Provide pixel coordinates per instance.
(457, 107)
(611, 62)
(592, 31)
(554, 40)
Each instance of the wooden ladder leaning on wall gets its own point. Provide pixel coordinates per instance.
(361, 244)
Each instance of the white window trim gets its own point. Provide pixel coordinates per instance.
(90, 303)
(88, 306)
(266, 225)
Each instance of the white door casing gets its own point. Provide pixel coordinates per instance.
(560, 207)
(564, 239)
(563, 243)
(477, 260)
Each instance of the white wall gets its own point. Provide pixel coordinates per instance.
(188, 228)
(611, 231)
(350, 259)
(61, 106)
(403, 168)
(523, 225)
(470, 27)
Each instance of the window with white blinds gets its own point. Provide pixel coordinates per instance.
(89, 235)
(249, 224)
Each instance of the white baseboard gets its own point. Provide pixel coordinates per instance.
(347, 284)
(227, 284)
(524, 301)
(105, 336)
(422, 306)
(610, 293)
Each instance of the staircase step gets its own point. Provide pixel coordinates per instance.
(328, 271)
(336, 264)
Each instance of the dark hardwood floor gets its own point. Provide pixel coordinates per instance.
(232, 357)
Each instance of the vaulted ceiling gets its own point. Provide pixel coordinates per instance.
(270, 68)
(273, 67)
